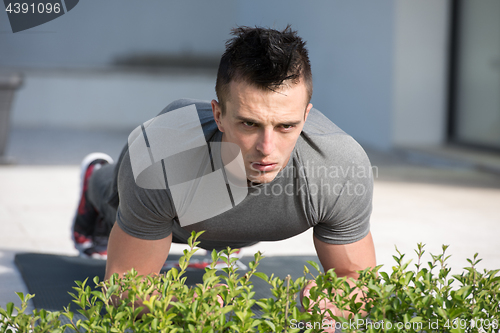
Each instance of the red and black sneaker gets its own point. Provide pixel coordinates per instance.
(98, 248)
(86, 215)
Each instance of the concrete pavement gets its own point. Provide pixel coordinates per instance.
(414, 201)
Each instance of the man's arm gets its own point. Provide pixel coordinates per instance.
(145, 256)
(346, 259)
(126, 252)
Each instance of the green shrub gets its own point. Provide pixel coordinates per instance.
(426, 299)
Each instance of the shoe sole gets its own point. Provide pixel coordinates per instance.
(96, 256)
(83, 246)
(87, 160)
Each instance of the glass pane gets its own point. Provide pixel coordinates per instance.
(478, 88)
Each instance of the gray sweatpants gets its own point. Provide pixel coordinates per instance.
(98, 192)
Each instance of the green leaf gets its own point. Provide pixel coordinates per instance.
(111, 290)
(227, 308)
(408, 277)
(271, 325)
(175, 273)
(21, 296)
(240, 315)
(154, 324)
(385, 276)
(442, 313)
(314, 264)
(456, 312)
(465, 291)
(215, 257)
(69, 314)
(119, 316)
(375, 288)
(306, 302)
(10, 308)
(261, 275)
(389, 287)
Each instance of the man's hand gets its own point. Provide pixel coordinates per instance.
(346, 259)
(126, 252)
(324, 305)
(219, 297)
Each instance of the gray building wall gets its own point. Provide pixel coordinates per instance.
(420, 72)
(353, 49)
(97, 32)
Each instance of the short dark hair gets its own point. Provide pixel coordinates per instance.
(264, 57)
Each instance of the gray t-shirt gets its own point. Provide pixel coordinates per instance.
(327, 184)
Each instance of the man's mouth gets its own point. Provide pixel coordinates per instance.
(263, 167)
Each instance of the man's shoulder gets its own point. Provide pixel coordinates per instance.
(322, 143)
(318, 124)
(326, 138)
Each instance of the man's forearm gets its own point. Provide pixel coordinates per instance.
(326, 305)
(116, 300)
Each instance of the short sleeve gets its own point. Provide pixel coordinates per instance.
(343, 201)
(142, 213)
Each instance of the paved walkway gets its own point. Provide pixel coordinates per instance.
(415, 200)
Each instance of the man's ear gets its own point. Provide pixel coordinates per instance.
(217, 111)
(308, 108)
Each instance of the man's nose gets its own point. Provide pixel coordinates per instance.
(266, 142)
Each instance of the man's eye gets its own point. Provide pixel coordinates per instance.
(248, 123)
(287, 126)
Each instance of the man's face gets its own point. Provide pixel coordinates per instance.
(264, 124)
